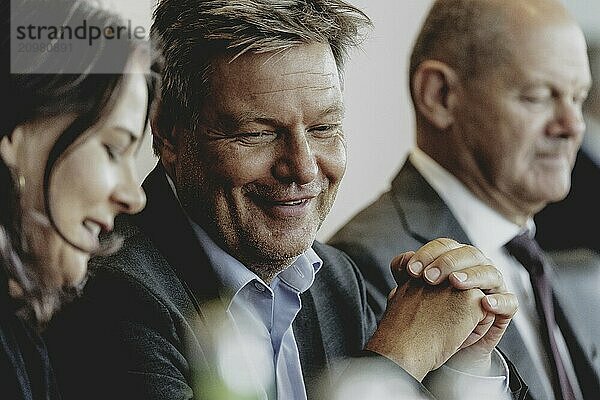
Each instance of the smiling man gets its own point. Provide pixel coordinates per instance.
(498, 88)
(252, 151)
(273, 155)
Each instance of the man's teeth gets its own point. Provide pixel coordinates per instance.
(290, 203)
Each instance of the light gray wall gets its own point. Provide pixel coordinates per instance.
(587, 13)
(379, 119)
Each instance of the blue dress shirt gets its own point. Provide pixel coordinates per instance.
(263, 314)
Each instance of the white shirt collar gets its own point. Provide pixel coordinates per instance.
(487, 229)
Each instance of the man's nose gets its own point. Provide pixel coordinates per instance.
(568, 120)
(297, 162)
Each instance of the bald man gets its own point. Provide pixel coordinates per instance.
(497, 88)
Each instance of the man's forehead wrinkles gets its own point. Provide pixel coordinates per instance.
(323, 74)
(316, 78)
(288, 80)
(309, 87)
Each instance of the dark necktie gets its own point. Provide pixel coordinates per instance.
(526, 250)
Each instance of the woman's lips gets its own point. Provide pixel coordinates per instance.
(94, 228)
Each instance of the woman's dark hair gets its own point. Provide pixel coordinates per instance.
(44, 91)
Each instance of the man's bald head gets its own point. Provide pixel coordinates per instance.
(475, 36)
(498, 87)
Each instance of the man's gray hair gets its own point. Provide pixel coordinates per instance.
(191, 34)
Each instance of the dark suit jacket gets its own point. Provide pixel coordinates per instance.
(405, 218)
(137, 331)
(578, 214)
(25, 369)
(578, 276)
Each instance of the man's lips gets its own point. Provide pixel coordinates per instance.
(563, 149)
(554, 157)
(284, 207)
(552, 154)
(288, 203)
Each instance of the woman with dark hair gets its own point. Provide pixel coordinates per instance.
(68, 143)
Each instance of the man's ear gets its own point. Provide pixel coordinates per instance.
(435, 87)
(167, 152)
(10, 144)
(166, 143)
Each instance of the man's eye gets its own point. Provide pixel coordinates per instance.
(259, 137)
(535, 99)
(325, 131)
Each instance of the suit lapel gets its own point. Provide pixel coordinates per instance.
(512, 346)
(575, 276)
(584, 368)
(425, 214)
(307, 332)
(165, 223)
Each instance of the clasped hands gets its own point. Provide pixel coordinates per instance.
(450, 307)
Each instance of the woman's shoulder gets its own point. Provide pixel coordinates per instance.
(24, 363)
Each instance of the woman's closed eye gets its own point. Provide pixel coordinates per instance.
(114, 151)
(117, 142)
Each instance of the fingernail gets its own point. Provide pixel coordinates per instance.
(416, 267)
(432, 274)
(492, 302)
(461, 276)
